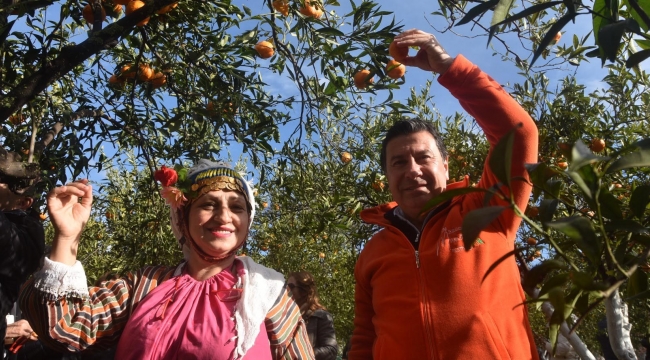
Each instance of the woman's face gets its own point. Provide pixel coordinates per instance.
(218, 221)
(294, 289)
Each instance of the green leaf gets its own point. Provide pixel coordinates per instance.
(477, 220)
(501, 11)
(610, 206)
(330, 31)
(639, 200)
(581, 231)
(638, 158)
(627, 226)
(636, 58)
(501, 158)
(547, 209)
(556, 298)
(4, 32)
(477, 10)
(587, 282)
(582, 304)
(581, 155)
(645, 7)
(558, 280)
(550, 35)
(637, 283)
(536, 275)
(610, 35)
(528, 11)
(600, 17)
(586, 179)
(449, 194)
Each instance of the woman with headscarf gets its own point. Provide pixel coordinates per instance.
(320, 324)
(214, 305)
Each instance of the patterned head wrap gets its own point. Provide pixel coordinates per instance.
(203, 177)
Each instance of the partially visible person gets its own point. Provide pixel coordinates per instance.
(320, 324)
(22, 238)
(215, 305)
(19, 331)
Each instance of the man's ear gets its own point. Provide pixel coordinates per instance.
(25, 203)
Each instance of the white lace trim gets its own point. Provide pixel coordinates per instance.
(57, 280)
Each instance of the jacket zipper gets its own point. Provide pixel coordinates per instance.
(427, 317)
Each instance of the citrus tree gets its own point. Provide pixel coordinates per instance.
(290, 82)
(176, 80)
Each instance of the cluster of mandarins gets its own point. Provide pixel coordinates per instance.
(131, 6)
(309, 10)
(127, 73)
(394, 68)
(144, 73)
(264, 48)
(597, 145)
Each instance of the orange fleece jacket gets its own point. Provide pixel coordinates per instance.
(440, 307)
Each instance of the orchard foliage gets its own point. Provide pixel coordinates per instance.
(620, 29)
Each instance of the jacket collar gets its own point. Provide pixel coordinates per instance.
(377, 214)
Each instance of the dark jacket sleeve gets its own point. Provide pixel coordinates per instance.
(22, 241)
(325, 346)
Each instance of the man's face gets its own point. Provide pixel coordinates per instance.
(10, 201)
(415, 170)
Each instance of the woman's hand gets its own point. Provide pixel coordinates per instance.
(19, 329)
(431, 56)
(69, 208)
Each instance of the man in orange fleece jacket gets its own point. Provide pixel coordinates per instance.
(419, 294)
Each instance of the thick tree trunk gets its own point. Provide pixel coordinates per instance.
(618, 327)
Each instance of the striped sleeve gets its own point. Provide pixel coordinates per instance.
(287, 331)
(95, 323)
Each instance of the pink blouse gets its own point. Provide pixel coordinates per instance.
(188, 319)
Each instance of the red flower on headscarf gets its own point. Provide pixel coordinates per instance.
(166, 176)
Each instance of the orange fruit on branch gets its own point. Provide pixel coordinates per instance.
(562, 165)
(557, 37)
(264, 49)
(145, 73)
(117, 10)
(127, 73)
(312, 11)
(378, 185)
(362, 78)
(159, 79)
(281, 6)
(398, 53)
(89, 15)
(597, 145)
(346, 157)
(395, 70)
(116, 80)
(531, 241)
(133, 6)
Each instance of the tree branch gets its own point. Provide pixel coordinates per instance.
(71, 57)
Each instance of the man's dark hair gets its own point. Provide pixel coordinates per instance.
(407, 127)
